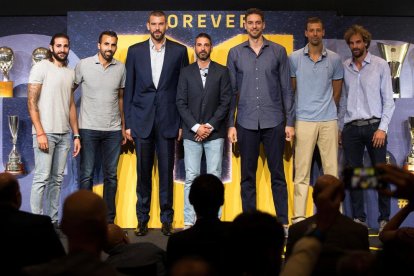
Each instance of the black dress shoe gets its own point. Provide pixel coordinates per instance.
(166, 229)
(142, 229)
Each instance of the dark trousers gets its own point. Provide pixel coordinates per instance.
(273, 140)
(354, 140)
(145, 150)
(106, 144)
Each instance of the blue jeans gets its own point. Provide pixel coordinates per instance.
(107, 145)
(354, 141)
(193, 151)
(48, 173)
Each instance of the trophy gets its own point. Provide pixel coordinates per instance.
(394, 55)
(409, 165)
(6, 63)
(14, 166)
(39, 54)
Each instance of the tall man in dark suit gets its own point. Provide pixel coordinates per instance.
(25, 238)
(203, 99)
(151, 116)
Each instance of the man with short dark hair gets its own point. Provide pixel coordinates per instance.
(316, 74)
(203, 98)
(263, 96)
(365, 111)
(151, 116)
(101, 116)
(208, 237)
(53, 113)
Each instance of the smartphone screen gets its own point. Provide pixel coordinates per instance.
(362, 178)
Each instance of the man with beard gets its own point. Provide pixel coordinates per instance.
(316, 74)
(203, 98)
(53, 113)
(151, 116)
(365, 111)
(260, 78)
(101, 117)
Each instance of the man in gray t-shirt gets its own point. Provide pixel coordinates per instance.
(53, 113)
(101, 119)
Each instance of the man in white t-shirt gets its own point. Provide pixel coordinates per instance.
(53, 113)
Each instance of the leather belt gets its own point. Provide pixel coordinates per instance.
(364, 122)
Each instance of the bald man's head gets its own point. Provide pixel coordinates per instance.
(116, 235)
(84, 217)
(326, 180)
(9, 191)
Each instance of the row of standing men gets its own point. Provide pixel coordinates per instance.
(157, 98)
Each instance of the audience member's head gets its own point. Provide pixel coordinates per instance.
(257, 243)
(326, 180)
(9, 191)
(191, 266)
(207, 195)
(84, 222)
(116, 235)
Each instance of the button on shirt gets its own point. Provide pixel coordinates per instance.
(157, 61)
(367, 93)
(314, 92)
(263, 84)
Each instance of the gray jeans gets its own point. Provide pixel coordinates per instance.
(48, 174)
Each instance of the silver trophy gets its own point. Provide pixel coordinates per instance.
(6, 61)
(394, 55)
(39, 54)
(14, 165)
(410, 158)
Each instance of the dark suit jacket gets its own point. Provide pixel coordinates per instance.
(206, 239)
(26, 239)
(344, 235)
(143, 103)
(204, 105)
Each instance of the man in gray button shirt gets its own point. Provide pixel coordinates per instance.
(259, 72)
(101, 118)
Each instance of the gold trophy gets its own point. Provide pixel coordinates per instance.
(394, 55)
(14, 166)
(39, 54)
(409, 165)
(6, 63)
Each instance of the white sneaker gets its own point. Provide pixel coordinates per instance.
(187, 226)
(297, 219)
(382, 224)
(357, 220)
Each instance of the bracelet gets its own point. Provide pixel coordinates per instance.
(41, 134)
(76, 136)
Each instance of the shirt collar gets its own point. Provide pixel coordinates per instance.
(152, 45)
(306, 50)
(96, 60)
(367, 59)
(265, 43)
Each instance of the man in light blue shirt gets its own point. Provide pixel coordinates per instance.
(366, 108)
(316, 74)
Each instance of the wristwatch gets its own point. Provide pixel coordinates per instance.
(76, 136)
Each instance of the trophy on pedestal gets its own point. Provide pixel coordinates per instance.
(394, 55)
(39, 54)
(14, 165)
(409, 165)
(6, 63)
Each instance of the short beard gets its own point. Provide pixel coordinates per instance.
(203, 58)
(58, 58)
(160, 39)
(107, 58)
